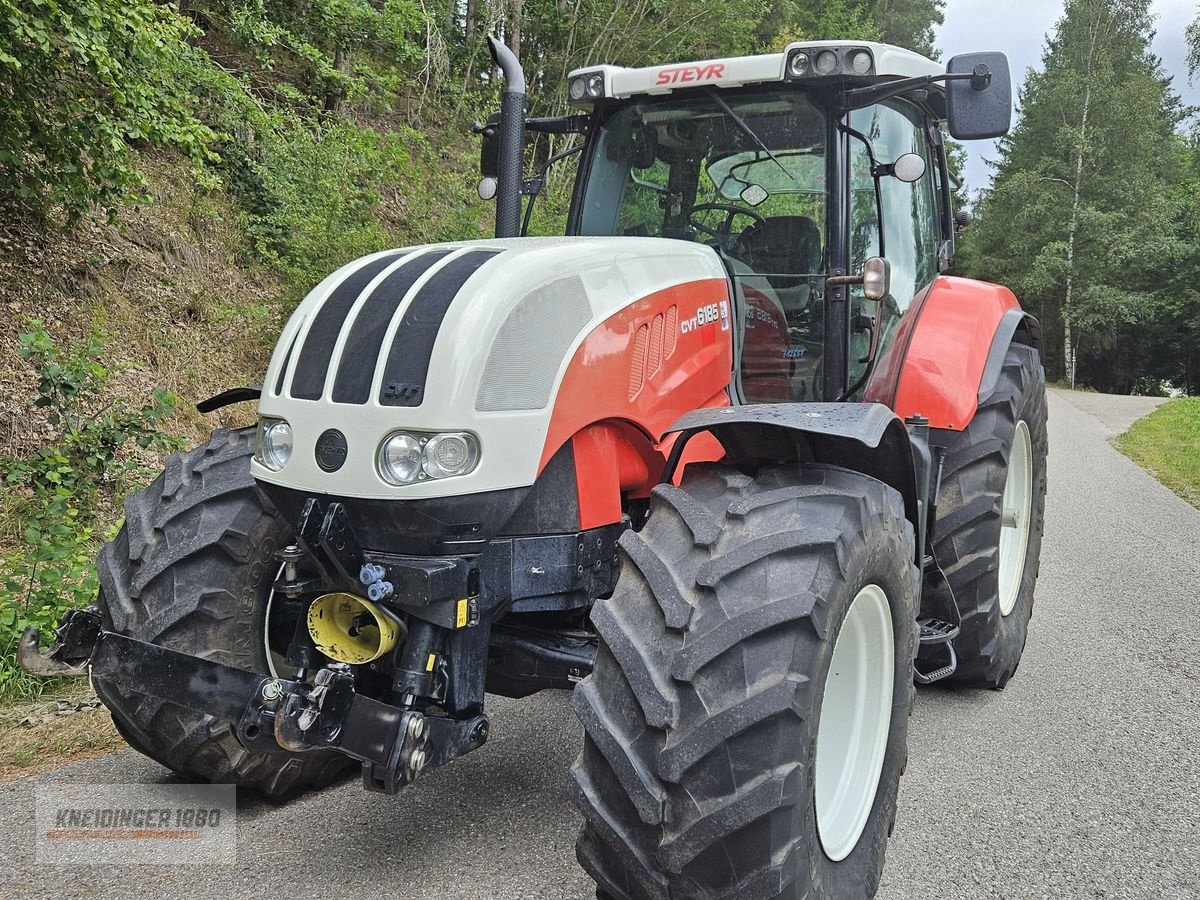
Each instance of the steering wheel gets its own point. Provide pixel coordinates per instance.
(722, 232)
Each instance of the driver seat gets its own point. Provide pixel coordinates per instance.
(783, 246)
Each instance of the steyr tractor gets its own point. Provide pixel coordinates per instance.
(733, 460)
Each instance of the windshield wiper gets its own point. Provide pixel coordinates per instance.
(748, 131)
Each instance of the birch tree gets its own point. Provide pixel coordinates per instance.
(1082, 209)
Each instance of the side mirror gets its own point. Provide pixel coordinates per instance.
(908, 167)
(979, 106)
(489, 146)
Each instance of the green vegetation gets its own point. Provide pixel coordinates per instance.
(54, 490)
(80, 82)
(1092, 213)
(1167, 443)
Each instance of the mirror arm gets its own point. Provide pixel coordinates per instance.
(862, 97)
(875, 177)
(558, 124)
(533, 187)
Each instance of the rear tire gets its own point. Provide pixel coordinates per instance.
(702, 773)
(993, 583)
(191, 569)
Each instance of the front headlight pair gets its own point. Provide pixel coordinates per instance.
(404, 458)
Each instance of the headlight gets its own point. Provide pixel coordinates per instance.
(274, 440)
(595, 85)
(798, 65)
(450, 454)
(860, 62)
(578, 88)
(400, 459)
(404, 458)
(827, 62)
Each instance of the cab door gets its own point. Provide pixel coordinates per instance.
(911, 225)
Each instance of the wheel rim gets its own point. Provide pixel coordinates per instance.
(1014, 518)
(856, 716)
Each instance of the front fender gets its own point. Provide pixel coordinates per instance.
(864, 437)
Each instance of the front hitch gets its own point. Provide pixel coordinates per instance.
(269, 715)
(73, 642)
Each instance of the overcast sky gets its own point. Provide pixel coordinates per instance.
(1018, 28)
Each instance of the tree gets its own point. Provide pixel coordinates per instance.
(909, 23)
(79, 82)
(1081, 214)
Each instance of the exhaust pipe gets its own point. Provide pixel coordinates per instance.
(349, 629)
(510, 164)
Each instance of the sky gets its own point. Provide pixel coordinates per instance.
(1018, 28)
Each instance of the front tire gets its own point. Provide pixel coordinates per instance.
(988, 535)
(726, 752)
(191, 569)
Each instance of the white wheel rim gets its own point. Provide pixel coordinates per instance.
(856, 716)
(1015, 514)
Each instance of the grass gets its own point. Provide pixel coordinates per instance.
(1167, 444)
(63, 726)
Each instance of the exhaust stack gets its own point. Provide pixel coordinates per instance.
(510, 175)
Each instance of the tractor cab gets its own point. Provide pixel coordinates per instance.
(819, 176)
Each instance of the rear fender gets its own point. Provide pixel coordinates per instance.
(951, 341)
(864, 437)
(1016, 327)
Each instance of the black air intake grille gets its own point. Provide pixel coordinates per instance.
(361, 350)
(312, 365)
(407, 366)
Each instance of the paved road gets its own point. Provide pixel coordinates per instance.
(1081, 780)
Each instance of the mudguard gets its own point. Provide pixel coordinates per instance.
(937, 365)
(864, 437)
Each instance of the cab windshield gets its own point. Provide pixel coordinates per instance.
(744, 173)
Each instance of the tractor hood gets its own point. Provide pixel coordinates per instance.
(470, 337)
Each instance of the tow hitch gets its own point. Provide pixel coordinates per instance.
(269, 715)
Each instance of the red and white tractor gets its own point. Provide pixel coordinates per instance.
(733, 460)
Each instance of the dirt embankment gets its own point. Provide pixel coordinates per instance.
(168, 287)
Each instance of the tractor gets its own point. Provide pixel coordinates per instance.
(733, 460)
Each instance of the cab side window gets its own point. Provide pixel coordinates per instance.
(910, 221)
(910, 211)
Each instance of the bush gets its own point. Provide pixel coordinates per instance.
(56, 487)
(314, 196)
(81, 80)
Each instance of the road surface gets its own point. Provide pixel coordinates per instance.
(1081, 780)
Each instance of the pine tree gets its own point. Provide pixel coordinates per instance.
(1082, 208)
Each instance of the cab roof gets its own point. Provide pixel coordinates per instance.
(887, 62)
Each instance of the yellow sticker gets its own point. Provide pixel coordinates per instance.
(429, 662)
(460, 618)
